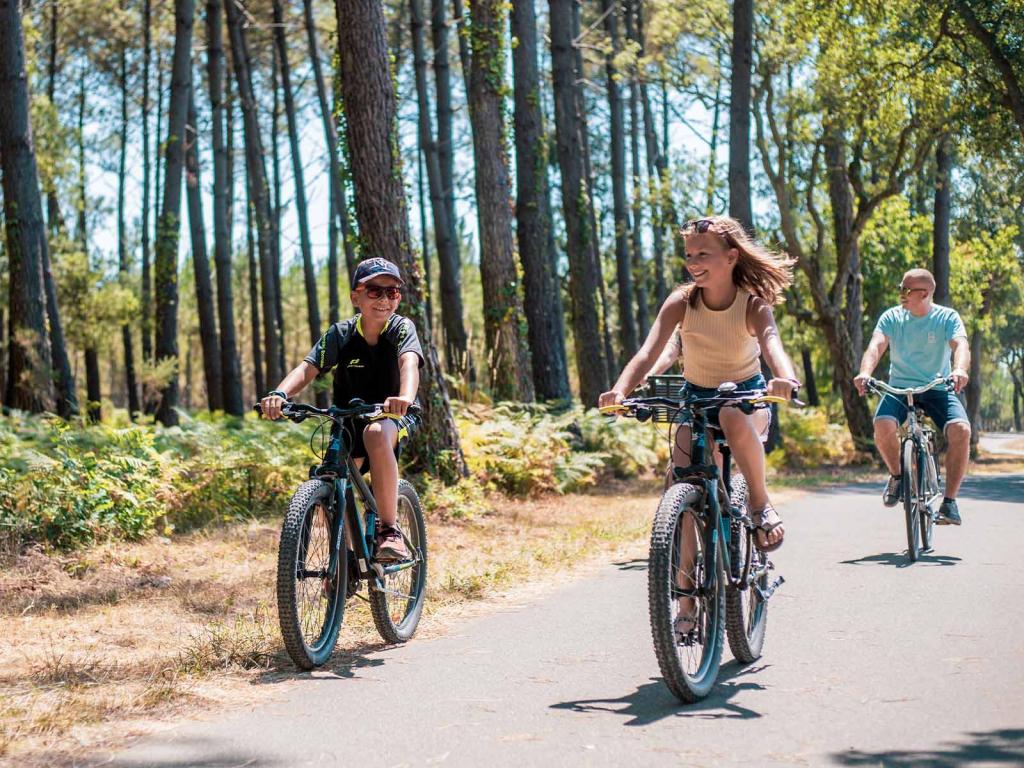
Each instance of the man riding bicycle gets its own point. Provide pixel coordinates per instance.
(921, 337)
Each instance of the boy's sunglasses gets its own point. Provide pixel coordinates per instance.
(904, 291)
(376, 291)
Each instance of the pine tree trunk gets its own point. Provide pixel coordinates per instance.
(639, 269)
(254, 305)
(29, 385)
(205, 304)
(278, 206)
(741, 59)
(231, 377)
(146, 309)
(259, 193)
(370, 106)
(54, 221)
(940, 229)
(422, 200)
(446, 252)
(508, 358)
(308, 271)
(94, 395)
(169, 228)
(583, 276)
(973, 390)
(628, 343)
(542, 293)
(810, 383)
(124, 267)
(339, 206)
(148, 315)
(92, 367)
(449, 265)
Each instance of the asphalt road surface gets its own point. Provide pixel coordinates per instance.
(869, 661)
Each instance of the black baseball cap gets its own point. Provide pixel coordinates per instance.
(376, 266)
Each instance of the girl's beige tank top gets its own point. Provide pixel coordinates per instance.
(717, 346)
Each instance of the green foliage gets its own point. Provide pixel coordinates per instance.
(810, 440)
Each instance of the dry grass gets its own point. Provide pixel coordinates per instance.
(95, 644)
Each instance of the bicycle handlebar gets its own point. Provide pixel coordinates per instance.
(752, 399)
(301, 411)
(882, 388)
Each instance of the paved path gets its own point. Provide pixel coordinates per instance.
(868, 662)
(1001, 442)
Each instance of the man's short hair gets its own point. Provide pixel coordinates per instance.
(921, 274)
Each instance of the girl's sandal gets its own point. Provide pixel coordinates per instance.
(684, 627)
(764, 525)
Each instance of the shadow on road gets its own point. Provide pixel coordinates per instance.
(1004, 747)
(213, 756)
(342, 665)
(899, 560)
(652, 701)
(1008, 488)
(636, 564)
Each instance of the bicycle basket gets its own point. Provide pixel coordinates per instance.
(664, 385)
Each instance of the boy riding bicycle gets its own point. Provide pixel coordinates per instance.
(377, 357)
(921, 337)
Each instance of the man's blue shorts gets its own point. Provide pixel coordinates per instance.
(941, 405)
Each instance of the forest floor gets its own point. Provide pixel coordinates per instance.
(103, 644)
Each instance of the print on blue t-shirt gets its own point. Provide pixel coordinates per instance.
(919, 346)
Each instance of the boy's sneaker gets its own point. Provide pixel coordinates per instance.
(948, 513)
(391, 544)
(892, 490)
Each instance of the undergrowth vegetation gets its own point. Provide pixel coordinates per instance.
(71, 485)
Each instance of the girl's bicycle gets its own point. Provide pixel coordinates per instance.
(920, 487)
(327, 546)
(702, 544)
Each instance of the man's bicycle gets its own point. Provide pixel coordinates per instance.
(919, 489)
(327, 546)
(703, 546)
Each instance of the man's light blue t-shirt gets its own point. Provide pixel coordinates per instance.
(919, 348)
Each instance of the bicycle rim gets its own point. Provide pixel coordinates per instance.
(397, 602)
(926, 480)
(310, 601)
(911, 496)
(689, 666)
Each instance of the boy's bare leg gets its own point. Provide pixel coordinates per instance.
(958, 437)
(888, 443)
(380, 439)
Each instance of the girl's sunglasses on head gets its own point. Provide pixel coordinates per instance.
(376, 291)
(699, 226)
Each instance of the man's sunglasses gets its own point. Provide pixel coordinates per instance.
(376, 291)
(904, 291)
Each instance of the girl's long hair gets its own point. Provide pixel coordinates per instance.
(759, 271)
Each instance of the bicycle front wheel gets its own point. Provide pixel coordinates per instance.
(396, 601)
(311, 583)
(746, 612)
(911, 495)
(929, 485)
(678, 585)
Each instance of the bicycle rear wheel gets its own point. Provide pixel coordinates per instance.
(911, 495)
(746, 613)
(310, 590)
(689, 665)
(397, 601)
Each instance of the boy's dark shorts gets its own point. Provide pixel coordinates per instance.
(407, 426)
(941, 405)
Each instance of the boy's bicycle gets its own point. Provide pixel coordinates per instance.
(920, 487)
(703, 545)
(327, 546)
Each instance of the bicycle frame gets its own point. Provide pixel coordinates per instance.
(717, 486)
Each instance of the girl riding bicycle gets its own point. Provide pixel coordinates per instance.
(725, 323)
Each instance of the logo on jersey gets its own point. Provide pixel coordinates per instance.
(355, 362)
(931, 337)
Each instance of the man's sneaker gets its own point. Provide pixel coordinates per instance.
(948, 513)
(892, 490)
(391, 544)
